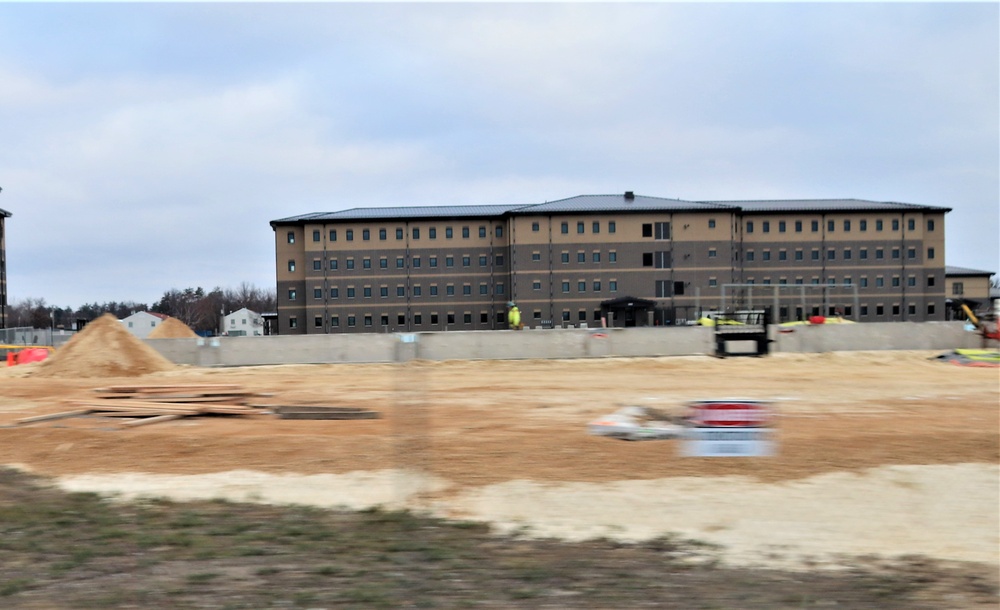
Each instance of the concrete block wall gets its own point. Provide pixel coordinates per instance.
(548, 344)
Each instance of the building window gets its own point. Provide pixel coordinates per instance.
(597, 285)
(815, 254)
(293, 322)
(895, 253)
(781, 226)
(712, 253)
(814, 225)
(467, 289)
(483, 261)
(449, 290)
(930, 227)
(863, 225)
(911, 224)
(317, 265)
(465, 232)
(350, 292)
(847, 225)
(765, 226)
(895, 281)
(484, 317)
(316, 238)
(399, 233)
(292, 295)
(580, 227)
(911, 281)
(879, 253)
(930, 280)
(831, 254)
(352, 321)
(534, 227)
(782, 255)
(911, 253)
(498, 231)
(499, 289)
(383, 263)
(611, 226)
(366, 263)
(798, 226)
(401, 319)
(595, 227)
(467, 318)
(847, 254)
(400, 291)
(367, 292)
(863, 282)
(291, 239)
(466, 261)
(350, 234)
(333, 234)
(334, 293)
(449, 233)
(536, 256)
(416, 290)
(334, 320)
(711, 223)
(749, 226)
(930, 253)
(612, 257)
(318, 322)
(958, 288)
(713, 282)
(766, 254)
(895, 224)
(581, 257)
(581, 286)
(535, 285)
(613, 286)
(596, 257)
(564, 257)
(433, 261)
(434, 318)
(798, 255)
(432, 232)
(381, 234)
(564, 227)
(434, 290)
(499, 260)
(879, 282)
(368, 319)
(863, 254)
(482, 231)
(749, 256)
(565, 286)
(930, 309)
(366, 234)
(317, 293)
(415, 262)
(879, 225)
(291, 266)
(415, 232)
(449, 261)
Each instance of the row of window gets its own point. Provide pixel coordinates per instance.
(895, 281)
(367, 319)
(383, 291)
(400, 262)
(366, 234)
(831, 254)
(581, 227)
(831, 225)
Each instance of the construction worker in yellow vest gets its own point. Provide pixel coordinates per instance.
(513, 316)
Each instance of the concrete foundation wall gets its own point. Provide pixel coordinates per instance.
(547, 344)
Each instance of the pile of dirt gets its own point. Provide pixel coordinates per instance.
(104, 348)
(172, 328)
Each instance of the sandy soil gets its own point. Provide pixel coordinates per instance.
(880, 453)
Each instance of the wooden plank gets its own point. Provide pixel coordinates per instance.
(154, 420)
(52, 416)
(331, 415)
(116, 405)
(217, 387)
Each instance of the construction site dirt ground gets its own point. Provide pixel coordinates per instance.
(879, 453)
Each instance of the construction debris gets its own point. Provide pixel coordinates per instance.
(636, 424)
(318, 412)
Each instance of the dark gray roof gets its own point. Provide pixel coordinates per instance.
(616, 203)
(951, 270)
(824, 205)
(437, 211)
(584, 204)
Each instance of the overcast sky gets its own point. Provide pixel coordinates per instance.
(146, 147)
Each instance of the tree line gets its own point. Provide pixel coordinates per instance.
(197, 308)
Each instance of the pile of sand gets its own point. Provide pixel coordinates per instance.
(104, 348)
(172, 328)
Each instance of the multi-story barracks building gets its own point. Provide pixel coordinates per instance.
(624, 260)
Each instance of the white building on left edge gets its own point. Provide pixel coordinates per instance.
(141, 323)
(243, 323)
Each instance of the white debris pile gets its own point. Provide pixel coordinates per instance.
(635, 424)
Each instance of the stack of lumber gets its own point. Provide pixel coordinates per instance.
(150, 404)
